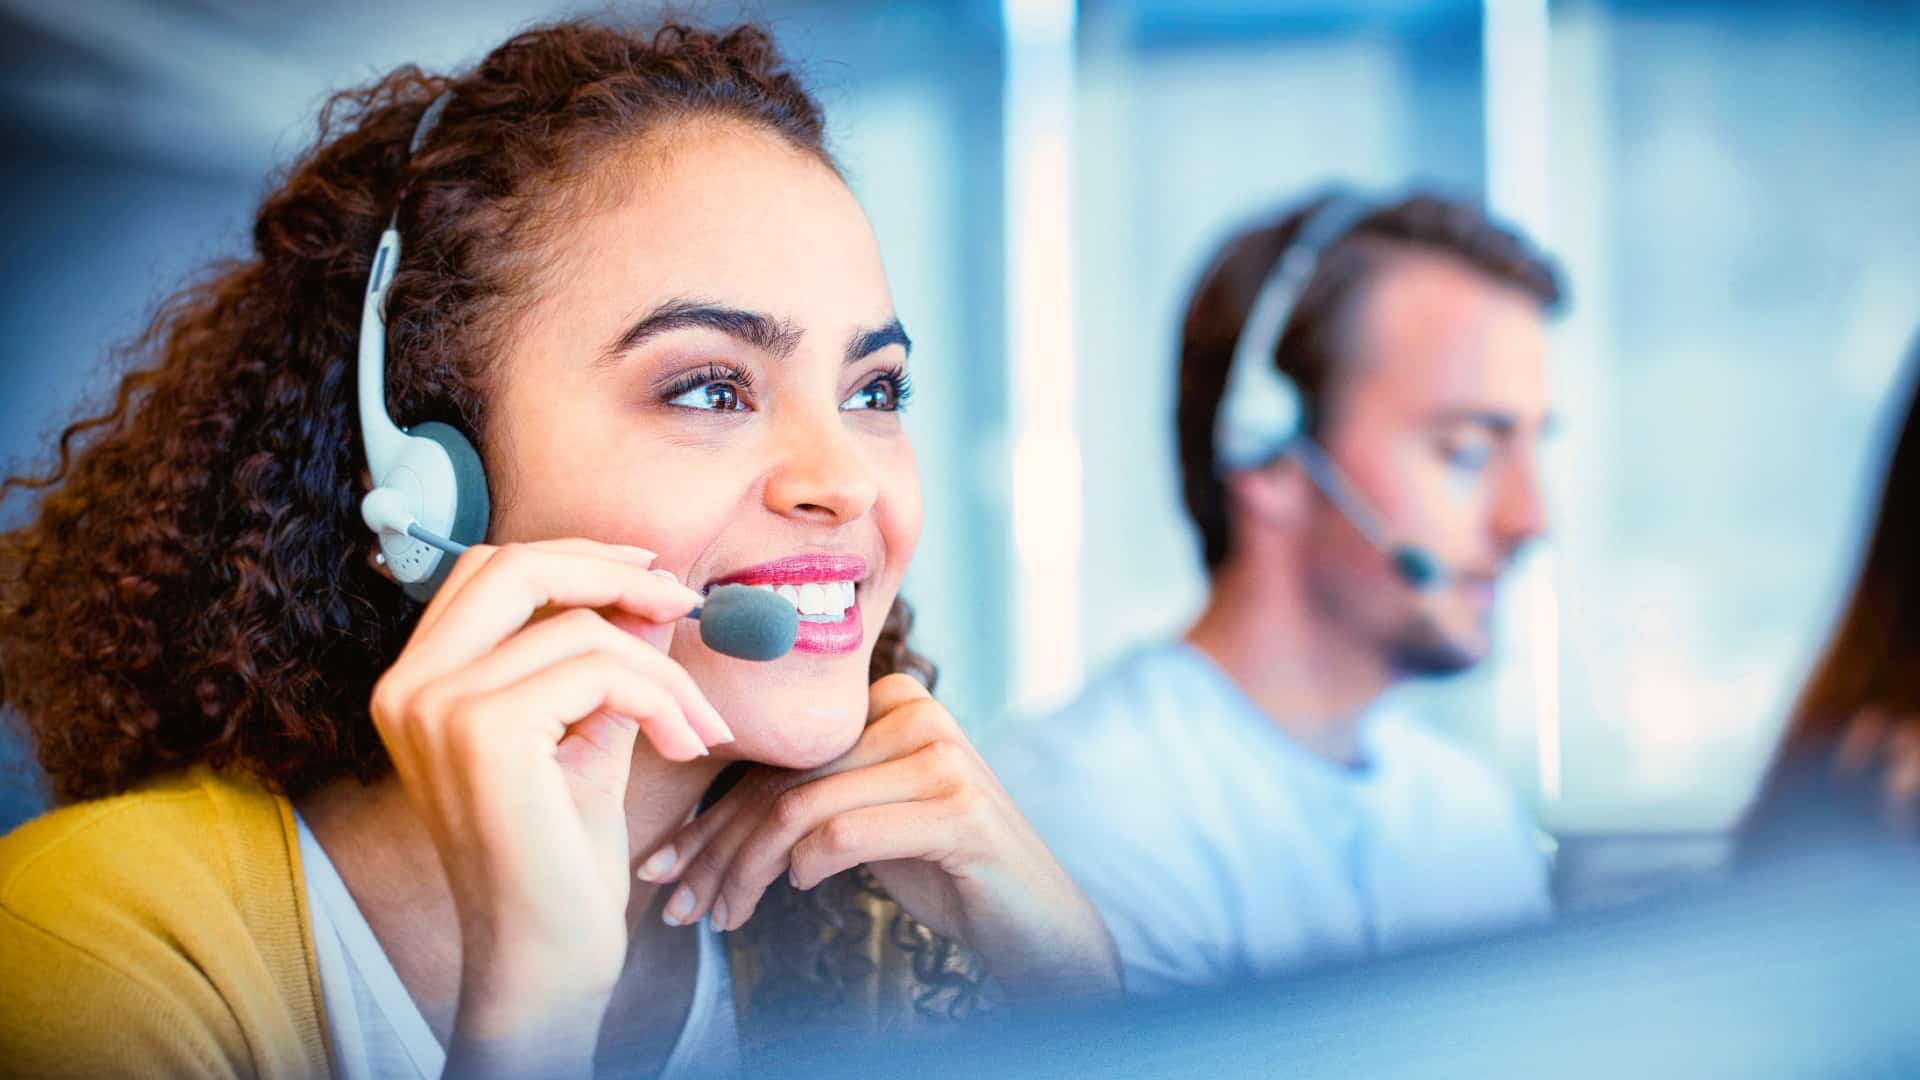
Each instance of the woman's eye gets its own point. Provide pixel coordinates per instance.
(887, 393)
(714, 395)
(875, 395)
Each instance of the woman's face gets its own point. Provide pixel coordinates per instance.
(710, 370)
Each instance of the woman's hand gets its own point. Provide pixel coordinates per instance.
(914, 802)
(511, 717)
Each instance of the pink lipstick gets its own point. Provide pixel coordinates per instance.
(825, 589)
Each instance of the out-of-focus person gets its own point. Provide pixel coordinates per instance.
(1361, 394)
(1849, 765)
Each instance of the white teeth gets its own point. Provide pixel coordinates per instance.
(829, 599)
(813, 599)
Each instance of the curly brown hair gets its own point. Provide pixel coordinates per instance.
(193, 584)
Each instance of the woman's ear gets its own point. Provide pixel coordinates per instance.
(1276, 494)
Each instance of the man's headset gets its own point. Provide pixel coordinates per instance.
(1262, 417)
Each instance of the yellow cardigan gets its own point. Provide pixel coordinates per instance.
(162, 931)
(166, 931)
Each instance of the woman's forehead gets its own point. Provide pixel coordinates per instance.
(727, 212)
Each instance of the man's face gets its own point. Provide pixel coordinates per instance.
(1435, 417)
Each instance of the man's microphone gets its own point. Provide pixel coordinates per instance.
(1416, 565)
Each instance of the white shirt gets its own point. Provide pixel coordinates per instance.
(1218, 848)
(378, 1031)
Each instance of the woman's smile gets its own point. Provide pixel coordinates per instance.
(823, 587)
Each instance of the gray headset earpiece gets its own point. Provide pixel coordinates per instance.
(471, 506)
(1261, 414)
(429, 500)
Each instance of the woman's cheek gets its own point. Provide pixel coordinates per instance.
(901, 506)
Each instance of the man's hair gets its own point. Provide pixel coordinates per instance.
(1318, 332)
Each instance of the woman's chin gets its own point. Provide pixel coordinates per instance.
(799, 739)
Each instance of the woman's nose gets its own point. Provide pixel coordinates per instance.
(819, 472)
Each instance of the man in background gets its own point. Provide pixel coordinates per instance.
(1237, 802)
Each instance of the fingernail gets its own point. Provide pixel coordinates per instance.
(694, 599)
(679, 907)
(792, 880)
(637, 554)
(691, 743)
(717, 918)
(726, 733)
(657, 864)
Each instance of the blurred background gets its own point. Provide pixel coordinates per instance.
(1729, 186)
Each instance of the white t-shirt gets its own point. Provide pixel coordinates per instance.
(1218, 848)
(378, 1031)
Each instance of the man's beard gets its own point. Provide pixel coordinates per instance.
(1421, 649)
(1417, 647)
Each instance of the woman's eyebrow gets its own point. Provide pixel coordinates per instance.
(758, 329)
(865, 343)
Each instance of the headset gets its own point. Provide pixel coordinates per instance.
(1262, 417)
(429, 499)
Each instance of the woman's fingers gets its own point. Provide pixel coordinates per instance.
(763, 784)
(902, 718)
(599, 750)
(477, 556)
(467, 564)
(927, 831)
(580, 631)
(503, 593)
(719, 832)
(549, 702)
(893, 691)
(729, 877)
(903, 715)
(666, 862)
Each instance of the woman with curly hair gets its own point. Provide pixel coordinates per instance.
(318, 822)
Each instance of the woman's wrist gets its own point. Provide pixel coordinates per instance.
(523, 1030)
(527, 1015)
(475, 1057)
